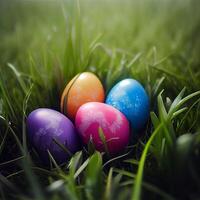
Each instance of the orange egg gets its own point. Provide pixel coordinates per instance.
(83, 88)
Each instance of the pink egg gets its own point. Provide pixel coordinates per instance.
(93, 116)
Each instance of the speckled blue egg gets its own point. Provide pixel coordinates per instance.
(47, 129)
(129, 97)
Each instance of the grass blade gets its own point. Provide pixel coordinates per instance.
(136, 194)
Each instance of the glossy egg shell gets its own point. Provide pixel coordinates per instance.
(45, 125)
(83, 88)
(129, 97)
(92, 116)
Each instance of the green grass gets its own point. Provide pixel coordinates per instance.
(43, 44)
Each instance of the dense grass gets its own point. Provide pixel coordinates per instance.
(43, 44)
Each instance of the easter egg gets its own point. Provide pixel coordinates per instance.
(94, 119)
(48, 130)
(83, 88)
(129, 97)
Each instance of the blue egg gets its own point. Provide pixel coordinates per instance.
(129, 97)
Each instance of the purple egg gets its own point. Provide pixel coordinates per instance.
(45, 126)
